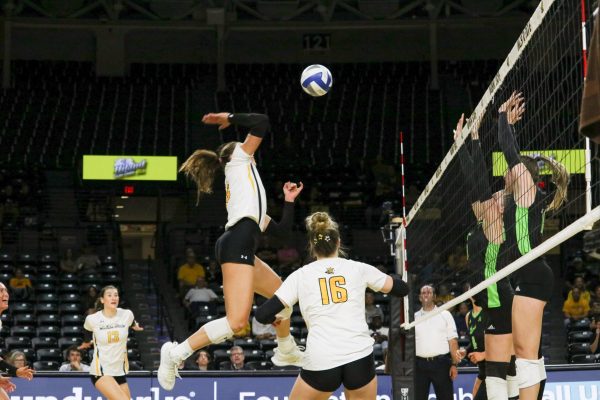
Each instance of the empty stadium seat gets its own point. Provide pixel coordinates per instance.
(43, 343)
(46, 365)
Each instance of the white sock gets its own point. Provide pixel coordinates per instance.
(182, 351)
(286, 344)
(496, 388)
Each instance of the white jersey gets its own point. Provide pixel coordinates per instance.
(331, 293)
(110, 342)
(244, 192)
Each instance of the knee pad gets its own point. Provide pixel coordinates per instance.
(528, 372)
(542, 369)
(286, 313)
(495, 387)
(218, 330)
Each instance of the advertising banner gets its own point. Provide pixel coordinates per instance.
(562, 385)
(130, 168)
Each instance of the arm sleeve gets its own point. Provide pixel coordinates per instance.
(450, 326)
(288, 291)
(400, 288)
(506, 139)
(212, 295)
(374, 278)
(482, 183)
(265, 314)
(284, 226)
(468, 172)
(257, 123)
(187, 295)
(7, 368)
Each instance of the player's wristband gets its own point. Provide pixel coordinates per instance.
(7, 368)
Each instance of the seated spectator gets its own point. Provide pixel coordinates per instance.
(585, 294)
(371, 309)
(188, 273)
(67, 263)
(595, 296)
(88, 262)
(594, 344)
(577, 269)
(199, 296)
(457, 261)
(17, 359)
(378, 332)
(204, 361)
(74, 363)
(266, 252)
(460, 319)
(262, 331)
(575, 308)
(88, 300)
(20, 286)
(236, 356)
(444, 295)
(594, 314)
(286, 256)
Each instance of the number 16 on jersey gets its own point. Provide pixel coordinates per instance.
(333, 290)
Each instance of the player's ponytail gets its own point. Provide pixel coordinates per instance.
(323, 235)
(202, 166)
(98, 304)
(560, 178)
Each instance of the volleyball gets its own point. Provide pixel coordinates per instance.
(316, 80)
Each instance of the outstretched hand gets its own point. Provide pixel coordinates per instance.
(220, 119)
(459, 127)
(137, 327)
(84, 346)
(291, 190)
(7, 385)
(25, 373)
(514, 107)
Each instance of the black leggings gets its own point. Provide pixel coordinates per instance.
(353, 375)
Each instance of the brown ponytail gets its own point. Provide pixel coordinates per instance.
(202, 166)
(323, 235)
(560, 177)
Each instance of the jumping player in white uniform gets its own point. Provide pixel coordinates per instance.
(109, 328)
(6, 386)
(331, 293)
(243, 273)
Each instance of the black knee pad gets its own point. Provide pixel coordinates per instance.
(496, 369)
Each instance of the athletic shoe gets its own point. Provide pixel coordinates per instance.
(294, 357)
(167, 371)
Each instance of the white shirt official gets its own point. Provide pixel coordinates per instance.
(244, 191)
(331, 293)
(432, 336)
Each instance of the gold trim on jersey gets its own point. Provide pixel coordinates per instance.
(250, 178)
(97, 356)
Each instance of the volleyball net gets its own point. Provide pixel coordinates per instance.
(546, 66)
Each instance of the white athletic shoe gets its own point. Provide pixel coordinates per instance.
(294, 357)
(167, 371)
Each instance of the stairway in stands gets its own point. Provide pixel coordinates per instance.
(143, 300)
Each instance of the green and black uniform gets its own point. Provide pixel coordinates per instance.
(477, 324)
(524, 227)
(485, 258)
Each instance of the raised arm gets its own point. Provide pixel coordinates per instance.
(257, 124)
(284, 226)
(523, 185)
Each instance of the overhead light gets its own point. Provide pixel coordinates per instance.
(124, 197)
(120, 206)
(116, 215)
